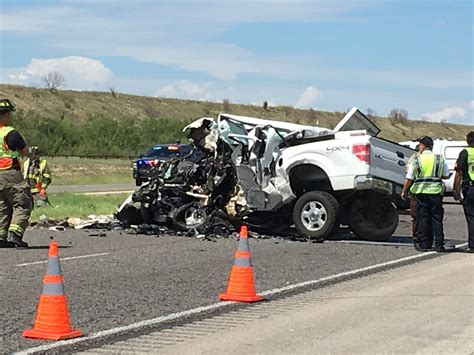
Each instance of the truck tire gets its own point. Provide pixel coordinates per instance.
(315, 215)
(373, 218)
(191, 216)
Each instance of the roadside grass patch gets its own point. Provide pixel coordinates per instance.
(84, 171)
(65, 205)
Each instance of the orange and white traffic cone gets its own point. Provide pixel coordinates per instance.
(241, 286)
(52, 317)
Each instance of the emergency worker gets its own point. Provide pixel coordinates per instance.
(414, 224)
(15, 196)
(464, 182)
(36, 172)
(424, 179)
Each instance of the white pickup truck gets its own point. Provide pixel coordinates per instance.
(323, 178)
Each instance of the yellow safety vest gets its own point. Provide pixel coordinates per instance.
(6, 155)
(470, 162)
(36, 180)
(427, 172)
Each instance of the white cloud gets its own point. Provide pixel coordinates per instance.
(184, 89)
(152, 34)
(471, 104)
(79, 72)
(308, 98)
(454, 114)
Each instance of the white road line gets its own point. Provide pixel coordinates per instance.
(105, 192)
(175, 316)
(368, 242)
(62, 259)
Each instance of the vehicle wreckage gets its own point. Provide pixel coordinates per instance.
(271, 175)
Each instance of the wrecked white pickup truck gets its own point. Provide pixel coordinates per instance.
(272, 174)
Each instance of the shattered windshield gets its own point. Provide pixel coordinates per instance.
(232, 132)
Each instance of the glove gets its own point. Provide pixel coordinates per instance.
(42, 192)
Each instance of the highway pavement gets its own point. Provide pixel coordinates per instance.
(119, 279)
(422, 308)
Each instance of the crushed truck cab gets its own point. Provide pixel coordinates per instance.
(320, 177)
(272, 175)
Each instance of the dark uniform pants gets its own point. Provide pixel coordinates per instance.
(468, 205)
(414, 224)
(15, 203)
(429, 214)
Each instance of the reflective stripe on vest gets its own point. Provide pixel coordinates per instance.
(35, 180)
(427, 172)
(470, 162)
(6, 155)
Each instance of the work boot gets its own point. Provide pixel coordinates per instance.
(16, 240)
(419, 248)
(4, 243)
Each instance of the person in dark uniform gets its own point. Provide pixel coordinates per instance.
(424, 180)
(464, 183)
(414, 224)
(15, 195)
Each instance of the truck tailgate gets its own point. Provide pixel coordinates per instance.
(389, 160)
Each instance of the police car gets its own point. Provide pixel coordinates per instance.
(155, 156)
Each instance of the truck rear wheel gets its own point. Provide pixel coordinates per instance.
(373, 218)
(316, 214)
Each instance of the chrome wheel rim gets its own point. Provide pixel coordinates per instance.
(314, 216)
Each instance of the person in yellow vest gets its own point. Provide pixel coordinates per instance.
(464, 182)
(36, 172)
(414, 224)
(15, 195)
(424, 180)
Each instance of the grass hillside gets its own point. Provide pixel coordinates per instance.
(74, 122)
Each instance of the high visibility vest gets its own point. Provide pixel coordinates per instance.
(427, 172)
(6, 155)
(40, 179)
(470, 162)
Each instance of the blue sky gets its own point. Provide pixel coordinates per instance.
(328, 55)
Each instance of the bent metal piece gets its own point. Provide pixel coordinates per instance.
(52, 317)
(241, 286)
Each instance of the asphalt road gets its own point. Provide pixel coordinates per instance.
(130, 278)
(423, 308)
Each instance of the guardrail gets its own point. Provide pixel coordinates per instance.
(124, 157)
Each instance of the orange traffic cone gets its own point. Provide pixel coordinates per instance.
(241, 285)
(52, 317)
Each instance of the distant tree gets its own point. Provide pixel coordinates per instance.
(113, 91)
(398, 115)
(226, 105)
(371, 113)
(265, 105)
(53, 80)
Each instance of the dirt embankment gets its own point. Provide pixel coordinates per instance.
(78, 106)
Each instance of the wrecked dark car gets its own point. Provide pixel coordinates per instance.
(271, 175)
